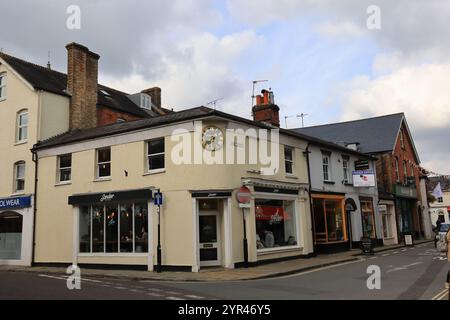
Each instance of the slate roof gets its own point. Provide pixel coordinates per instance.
(43, 78)
(375, 135)
(175, 117)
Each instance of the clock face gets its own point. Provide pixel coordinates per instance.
(212, 139)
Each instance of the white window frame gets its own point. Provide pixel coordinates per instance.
(155, 154)
(20, 127)
(3, 78)
(292, 162)
(328, 165)
(345, 169)
(402, 140)
(64, 168)
(17, 177)
(98, 163)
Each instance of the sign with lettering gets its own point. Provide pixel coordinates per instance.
(15, 203)
(112, 196)
(158, 199)
(362, 165)
(364, 178)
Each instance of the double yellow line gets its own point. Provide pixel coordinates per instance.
(441, 295)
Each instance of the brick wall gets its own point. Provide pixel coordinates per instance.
(107, 116)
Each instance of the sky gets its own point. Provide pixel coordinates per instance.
(319, 56)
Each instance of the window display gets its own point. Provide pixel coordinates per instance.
(275, 223)
(329, 220)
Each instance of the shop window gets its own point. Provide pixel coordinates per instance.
(65, 168)
(104, 163)
(156, 154)
(2, 86)
(289, 160)
(114, 228)
(19, 176)
(386, 220)
(326, 166)
(22, 126)
(329, 220)
(368, 218)
(275, 224)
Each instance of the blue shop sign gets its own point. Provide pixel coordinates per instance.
(15, 203)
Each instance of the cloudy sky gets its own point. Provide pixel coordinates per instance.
(319, 55)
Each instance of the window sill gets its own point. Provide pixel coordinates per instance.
(15, 194)
(152, 172)
(113, 254)
(278, 250)
(389, 238)
(19, 143)
(291, 176)
(329, 182)
(2, 99)
(348, 184)
(102, 179)
(64, 183)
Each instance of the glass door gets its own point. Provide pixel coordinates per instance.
(209, 239)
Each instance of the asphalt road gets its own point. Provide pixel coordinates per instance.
(406, 274)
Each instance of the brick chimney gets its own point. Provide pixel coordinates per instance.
(82, 83)
(155, 93)
(265, 109)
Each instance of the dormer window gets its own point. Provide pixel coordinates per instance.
(145, 101)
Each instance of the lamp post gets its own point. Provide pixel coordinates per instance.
(158, 202)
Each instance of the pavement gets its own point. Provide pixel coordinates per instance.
(263, 271)
(402, 273)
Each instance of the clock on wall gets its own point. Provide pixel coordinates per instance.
(212, 138)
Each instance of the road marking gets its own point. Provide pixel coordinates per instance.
(154, 294)
(174, 298)
(404, 267)
(120, 288)
(404, 250)
(386, 254)
(154, 289)
(440, 295)
(51, 277)
(372, 258)
(395, 252)
(193, 296)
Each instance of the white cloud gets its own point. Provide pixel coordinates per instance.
(340, 30)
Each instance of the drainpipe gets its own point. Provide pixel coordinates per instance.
(306, 153)
(36, 163)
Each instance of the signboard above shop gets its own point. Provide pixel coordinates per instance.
(362, 165)
(15, 203)
(363, 178)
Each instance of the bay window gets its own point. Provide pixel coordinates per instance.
(275, 223)
(114, 228)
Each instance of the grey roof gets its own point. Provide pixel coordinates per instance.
(175, 117)
(43, 78)
(374, 135)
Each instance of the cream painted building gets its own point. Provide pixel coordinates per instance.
(37, 103)
(103, 214)
(28, 115)
(440, 209)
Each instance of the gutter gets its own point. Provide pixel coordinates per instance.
(306, 153)
(36, 164)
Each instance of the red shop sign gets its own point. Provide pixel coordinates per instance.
(269, 213)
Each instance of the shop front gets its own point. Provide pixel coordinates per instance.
(16, 230)
(389, 225)
(113, 228)
(330, 222)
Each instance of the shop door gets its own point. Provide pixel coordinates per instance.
(209, 238)
(10, 236)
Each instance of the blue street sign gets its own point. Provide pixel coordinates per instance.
(158, 199)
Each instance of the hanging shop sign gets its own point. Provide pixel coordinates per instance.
(362, 165)
(363, 178)
(15, 203)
